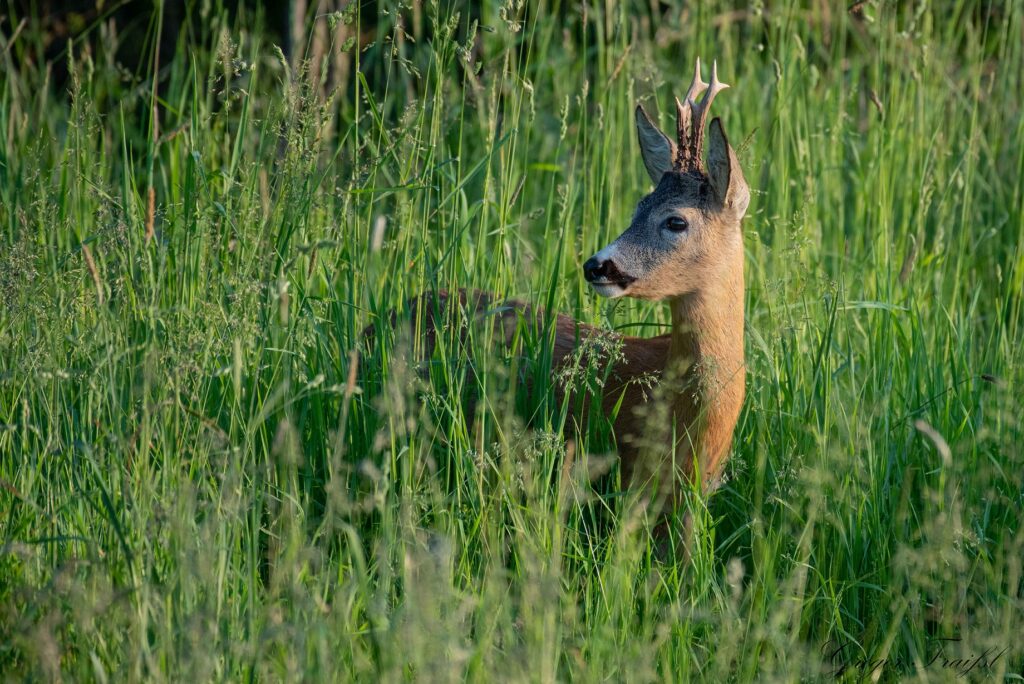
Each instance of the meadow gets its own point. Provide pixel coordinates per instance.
(208, 473)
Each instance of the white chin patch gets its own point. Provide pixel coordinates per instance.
(610, 290)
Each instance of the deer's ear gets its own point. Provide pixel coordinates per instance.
(655, 147)
(725, 173)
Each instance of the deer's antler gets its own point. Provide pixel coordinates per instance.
(691, 117)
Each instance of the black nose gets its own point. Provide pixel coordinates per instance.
(606, 270)
(594, 269)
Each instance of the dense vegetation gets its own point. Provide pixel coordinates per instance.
(206, 473)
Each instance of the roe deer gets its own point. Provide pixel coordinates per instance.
(684, 247)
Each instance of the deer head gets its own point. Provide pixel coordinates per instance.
(685, 236)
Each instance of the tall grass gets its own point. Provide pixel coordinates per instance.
(206, 473)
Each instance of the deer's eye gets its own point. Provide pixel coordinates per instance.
(677, 224)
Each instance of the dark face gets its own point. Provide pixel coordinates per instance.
(680, 239)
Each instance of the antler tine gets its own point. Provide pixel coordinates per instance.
(684, 109)
(682, 123)
(697, 85)
(700, 112)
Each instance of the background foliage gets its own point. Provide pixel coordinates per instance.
(206, 474)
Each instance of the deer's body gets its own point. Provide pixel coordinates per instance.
(698, 368)
(684, 247)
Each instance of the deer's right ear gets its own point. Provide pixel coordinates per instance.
(725, 173)
(655, 147)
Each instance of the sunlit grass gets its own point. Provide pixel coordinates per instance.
(206, 472)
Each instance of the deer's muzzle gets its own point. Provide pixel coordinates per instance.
(605, 277)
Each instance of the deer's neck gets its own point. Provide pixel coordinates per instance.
(706, 368)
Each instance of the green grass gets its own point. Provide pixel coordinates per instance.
(197, 484)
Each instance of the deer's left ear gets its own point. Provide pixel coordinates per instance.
(725, 173)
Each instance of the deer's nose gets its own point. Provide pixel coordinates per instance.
(593, 269)
(601, 269)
